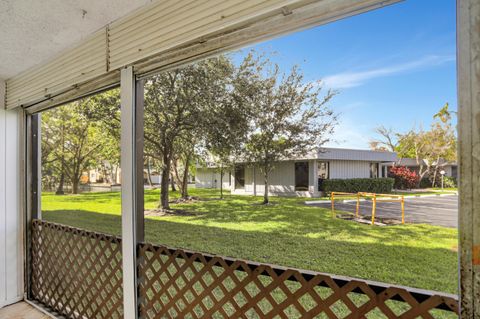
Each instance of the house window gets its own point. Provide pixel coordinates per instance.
(374, 170)
(239, 177)
(301, 176)
(323, 170)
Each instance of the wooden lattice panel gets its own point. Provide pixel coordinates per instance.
(175, 283)
(76, 273)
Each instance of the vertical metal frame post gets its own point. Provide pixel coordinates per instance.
(139, 160)
(131, 143)
(33, 165)
(468, 68)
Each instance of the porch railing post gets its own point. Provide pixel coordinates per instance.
(468, 66)
(132, 184)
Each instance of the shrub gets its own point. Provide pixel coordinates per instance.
(448, 182)
(425, 183)
(404, 177)
(354, 185)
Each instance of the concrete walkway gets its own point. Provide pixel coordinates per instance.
(435, 210)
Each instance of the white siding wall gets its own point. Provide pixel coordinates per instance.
(448, 170)
(349, 169)
(210, 178)
(259, 180)
(11, 237)
(249, 184)
(156, 179)
(282, 178)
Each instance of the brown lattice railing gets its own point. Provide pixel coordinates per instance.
(176, 283)
(77, 274)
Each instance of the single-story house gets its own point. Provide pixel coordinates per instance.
(301, 176)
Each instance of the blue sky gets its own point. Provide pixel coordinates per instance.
(394, 66)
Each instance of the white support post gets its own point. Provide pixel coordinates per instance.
(132, 185)
(468, 65)
(315, 178)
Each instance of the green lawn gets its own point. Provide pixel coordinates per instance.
(286, 233)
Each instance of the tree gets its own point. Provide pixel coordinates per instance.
(390, 141)
(227, 123)
(183, 158)
(387, 141)
(444, 144)
(432, 149)
(289, 118)
(108, 156)
(70, 138)
(103, 109)
(175, 105)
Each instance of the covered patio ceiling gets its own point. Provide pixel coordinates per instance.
(33, 32)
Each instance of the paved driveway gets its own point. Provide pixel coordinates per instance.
(435, 210)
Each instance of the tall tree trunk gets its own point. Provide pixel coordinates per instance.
(265, 194)
(164, 204)
(172, 183)
(435, 172)
(60, 190)
(422, 174)
(176, 177)
(434, 179)
(75, 186)
(185, 177)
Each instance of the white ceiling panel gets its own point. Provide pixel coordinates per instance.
(34, 31)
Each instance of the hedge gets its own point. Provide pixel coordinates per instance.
(354, 185)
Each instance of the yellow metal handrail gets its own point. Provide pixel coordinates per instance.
(340, 195)
(375, 198)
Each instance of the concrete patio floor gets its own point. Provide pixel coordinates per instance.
(22, 310)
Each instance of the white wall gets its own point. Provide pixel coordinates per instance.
(11, 236)
(282, 178)
(349, 169)
(210, 178)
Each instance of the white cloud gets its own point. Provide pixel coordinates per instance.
(353, 79)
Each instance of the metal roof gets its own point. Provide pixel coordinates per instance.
(328, 153)
(413, 162)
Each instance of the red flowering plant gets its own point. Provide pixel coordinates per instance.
(404, 177)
